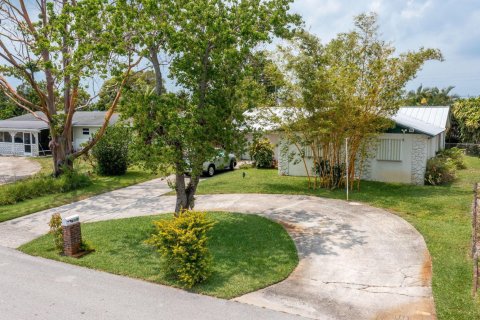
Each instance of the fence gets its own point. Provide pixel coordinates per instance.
(475, 237)
(471, 149)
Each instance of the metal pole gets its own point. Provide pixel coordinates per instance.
(346, 163)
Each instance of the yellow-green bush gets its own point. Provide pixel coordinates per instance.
(182, 242)
(56, 230)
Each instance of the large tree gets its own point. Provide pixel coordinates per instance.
(58, 47)
(347, 88)
(466, 114)
(210, 45)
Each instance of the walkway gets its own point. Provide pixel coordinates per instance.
(357, 262)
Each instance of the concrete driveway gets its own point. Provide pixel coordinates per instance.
(16, 168)
(356, 261)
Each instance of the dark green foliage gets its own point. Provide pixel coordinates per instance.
(440, 170)
(456, 156)
(182, 242)
(111, 152)
(261, 152)
(42, 185)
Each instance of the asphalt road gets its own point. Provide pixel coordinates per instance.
(36, 288)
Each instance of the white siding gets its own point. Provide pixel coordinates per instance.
(80, 138)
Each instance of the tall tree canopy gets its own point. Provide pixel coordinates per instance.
(347, 88)
(210, 45)
(56, 47)
(424, 96)
(467, 117)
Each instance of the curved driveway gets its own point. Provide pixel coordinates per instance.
(356, 261)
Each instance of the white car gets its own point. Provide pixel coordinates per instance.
(222, 161)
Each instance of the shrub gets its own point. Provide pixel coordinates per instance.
(42, 185)
(262, 153)
(56, 231)
(440, 170)
(456, 156)
(111, 152)
(182, 242)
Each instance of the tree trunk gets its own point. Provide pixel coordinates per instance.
(60, 154)
(185, 193)
(157, 70)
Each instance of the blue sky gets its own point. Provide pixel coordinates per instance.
(453, 26)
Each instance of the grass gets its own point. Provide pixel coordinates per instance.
(442, 214)
(99, 185)
(249, 252)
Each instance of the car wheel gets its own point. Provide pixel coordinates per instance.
(211, 170)
(232, 165)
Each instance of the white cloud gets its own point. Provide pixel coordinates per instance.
(449, 25)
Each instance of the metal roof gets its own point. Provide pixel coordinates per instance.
(80, 119)
(426, 119)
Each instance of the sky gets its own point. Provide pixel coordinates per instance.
(453, 26)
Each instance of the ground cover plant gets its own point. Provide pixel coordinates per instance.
(248, 252)
(440, 213)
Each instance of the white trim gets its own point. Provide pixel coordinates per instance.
(23, 130)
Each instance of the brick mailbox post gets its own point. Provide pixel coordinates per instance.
(72, 235)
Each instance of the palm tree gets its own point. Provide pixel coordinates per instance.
(430, 96)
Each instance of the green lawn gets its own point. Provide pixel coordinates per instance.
(441, 214)
(99, 185)
(249, 252)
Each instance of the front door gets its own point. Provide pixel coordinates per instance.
(27, 143)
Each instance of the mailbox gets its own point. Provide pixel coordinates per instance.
(72, 235)
(68, 221)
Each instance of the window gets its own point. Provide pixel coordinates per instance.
(26, 138)
(389, 150)
(2, 136)
(308, 152)
(18, 137)
(86, 131)
(7, 137)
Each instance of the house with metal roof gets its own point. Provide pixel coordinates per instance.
(28, 135)
(398, 155)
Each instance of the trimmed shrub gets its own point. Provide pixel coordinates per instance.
(56, 230)
(182, 242)
(111, 152)
(262, 153)
(440, 170)
(456, 156)
(42, 185)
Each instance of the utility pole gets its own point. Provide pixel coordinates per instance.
(346, 163)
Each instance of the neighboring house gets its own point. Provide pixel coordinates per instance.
(27, 135)
(399, 155)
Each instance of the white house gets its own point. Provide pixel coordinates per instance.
(27, 135)
(399, 155)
